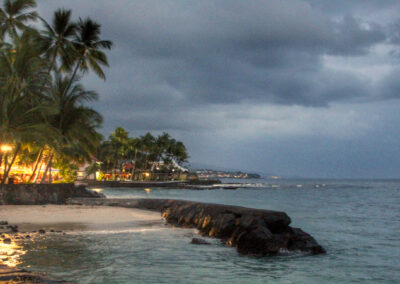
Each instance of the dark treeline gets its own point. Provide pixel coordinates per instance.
(44, 118)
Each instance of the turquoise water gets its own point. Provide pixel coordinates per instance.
(358, 222)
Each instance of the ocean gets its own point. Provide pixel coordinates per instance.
(356, 221)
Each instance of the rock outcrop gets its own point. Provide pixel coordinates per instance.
(197, 241)
(252, 231)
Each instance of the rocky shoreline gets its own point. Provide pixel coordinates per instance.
(251, 231)
(10, 235)
(189, 184)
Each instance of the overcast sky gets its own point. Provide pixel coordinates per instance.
(294, 87)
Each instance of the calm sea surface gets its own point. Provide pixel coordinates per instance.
(358, 222)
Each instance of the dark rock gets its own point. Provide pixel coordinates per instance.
(42, 231)
(251, 231)
(7, 241)
(204, 182)
(258, 241)
(14, 229)
(52, 231)
(27, 237)
(3, 223)
(197, 241)
(223, 226)
(302, 241)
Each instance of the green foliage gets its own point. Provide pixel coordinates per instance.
(159, 154)
(68, 170)
(89, 47)
(15, 16)
(43, 108)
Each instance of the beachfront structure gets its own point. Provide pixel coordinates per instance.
(129, 171)
(22, 174)
(83, 171)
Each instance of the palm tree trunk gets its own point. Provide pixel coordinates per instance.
(6, 173)
(50, 176)
(47, 168)
(75, 71)
(38, 160)
(53, 62)
(5, 168)
(38, 172)
(134, 167)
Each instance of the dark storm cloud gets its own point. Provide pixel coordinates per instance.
(231, 51)
(228, 51)
(254, 84)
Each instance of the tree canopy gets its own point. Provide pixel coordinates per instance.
(145, 153)
(44, 114)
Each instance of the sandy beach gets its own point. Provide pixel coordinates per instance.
(71, 217)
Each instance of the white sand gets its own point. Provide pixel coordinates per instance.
(71, 217)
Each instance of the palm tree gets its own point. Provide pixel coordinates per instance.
(22, 81)
(75, 124)
(119, 140)
(57, 38)
(15, 15)
(179, 152)
(89, 48)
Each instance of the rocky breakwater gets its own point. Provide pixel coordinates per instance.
(252, 231)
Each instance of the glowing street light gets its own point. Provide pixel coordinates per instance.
(5, 148)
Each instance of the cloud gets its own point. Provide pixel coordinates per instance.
(218, 71)
(230, 51)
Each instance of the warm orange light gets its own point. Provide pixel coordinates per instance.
(5, 148)
(10, 254)
(146, 174)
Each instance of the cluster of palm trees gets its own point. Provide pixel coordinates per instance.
(161, 154)
(44, 119)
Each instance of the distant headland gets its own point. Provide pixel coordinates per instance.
(207, 174)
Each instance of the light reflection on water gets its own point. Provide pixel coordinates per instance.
(10, 253)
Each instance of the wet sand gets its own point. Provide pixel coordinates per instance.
(73, 217)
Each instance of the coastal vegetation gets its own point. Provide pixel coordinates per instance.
(47, 128)
(144, 157)
(45, 121)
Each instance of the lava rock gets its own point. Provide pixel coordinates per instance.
(302, 241)
(251, 231)
(7, 241)
(197, 241)
(42, 231)
(14, 229)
